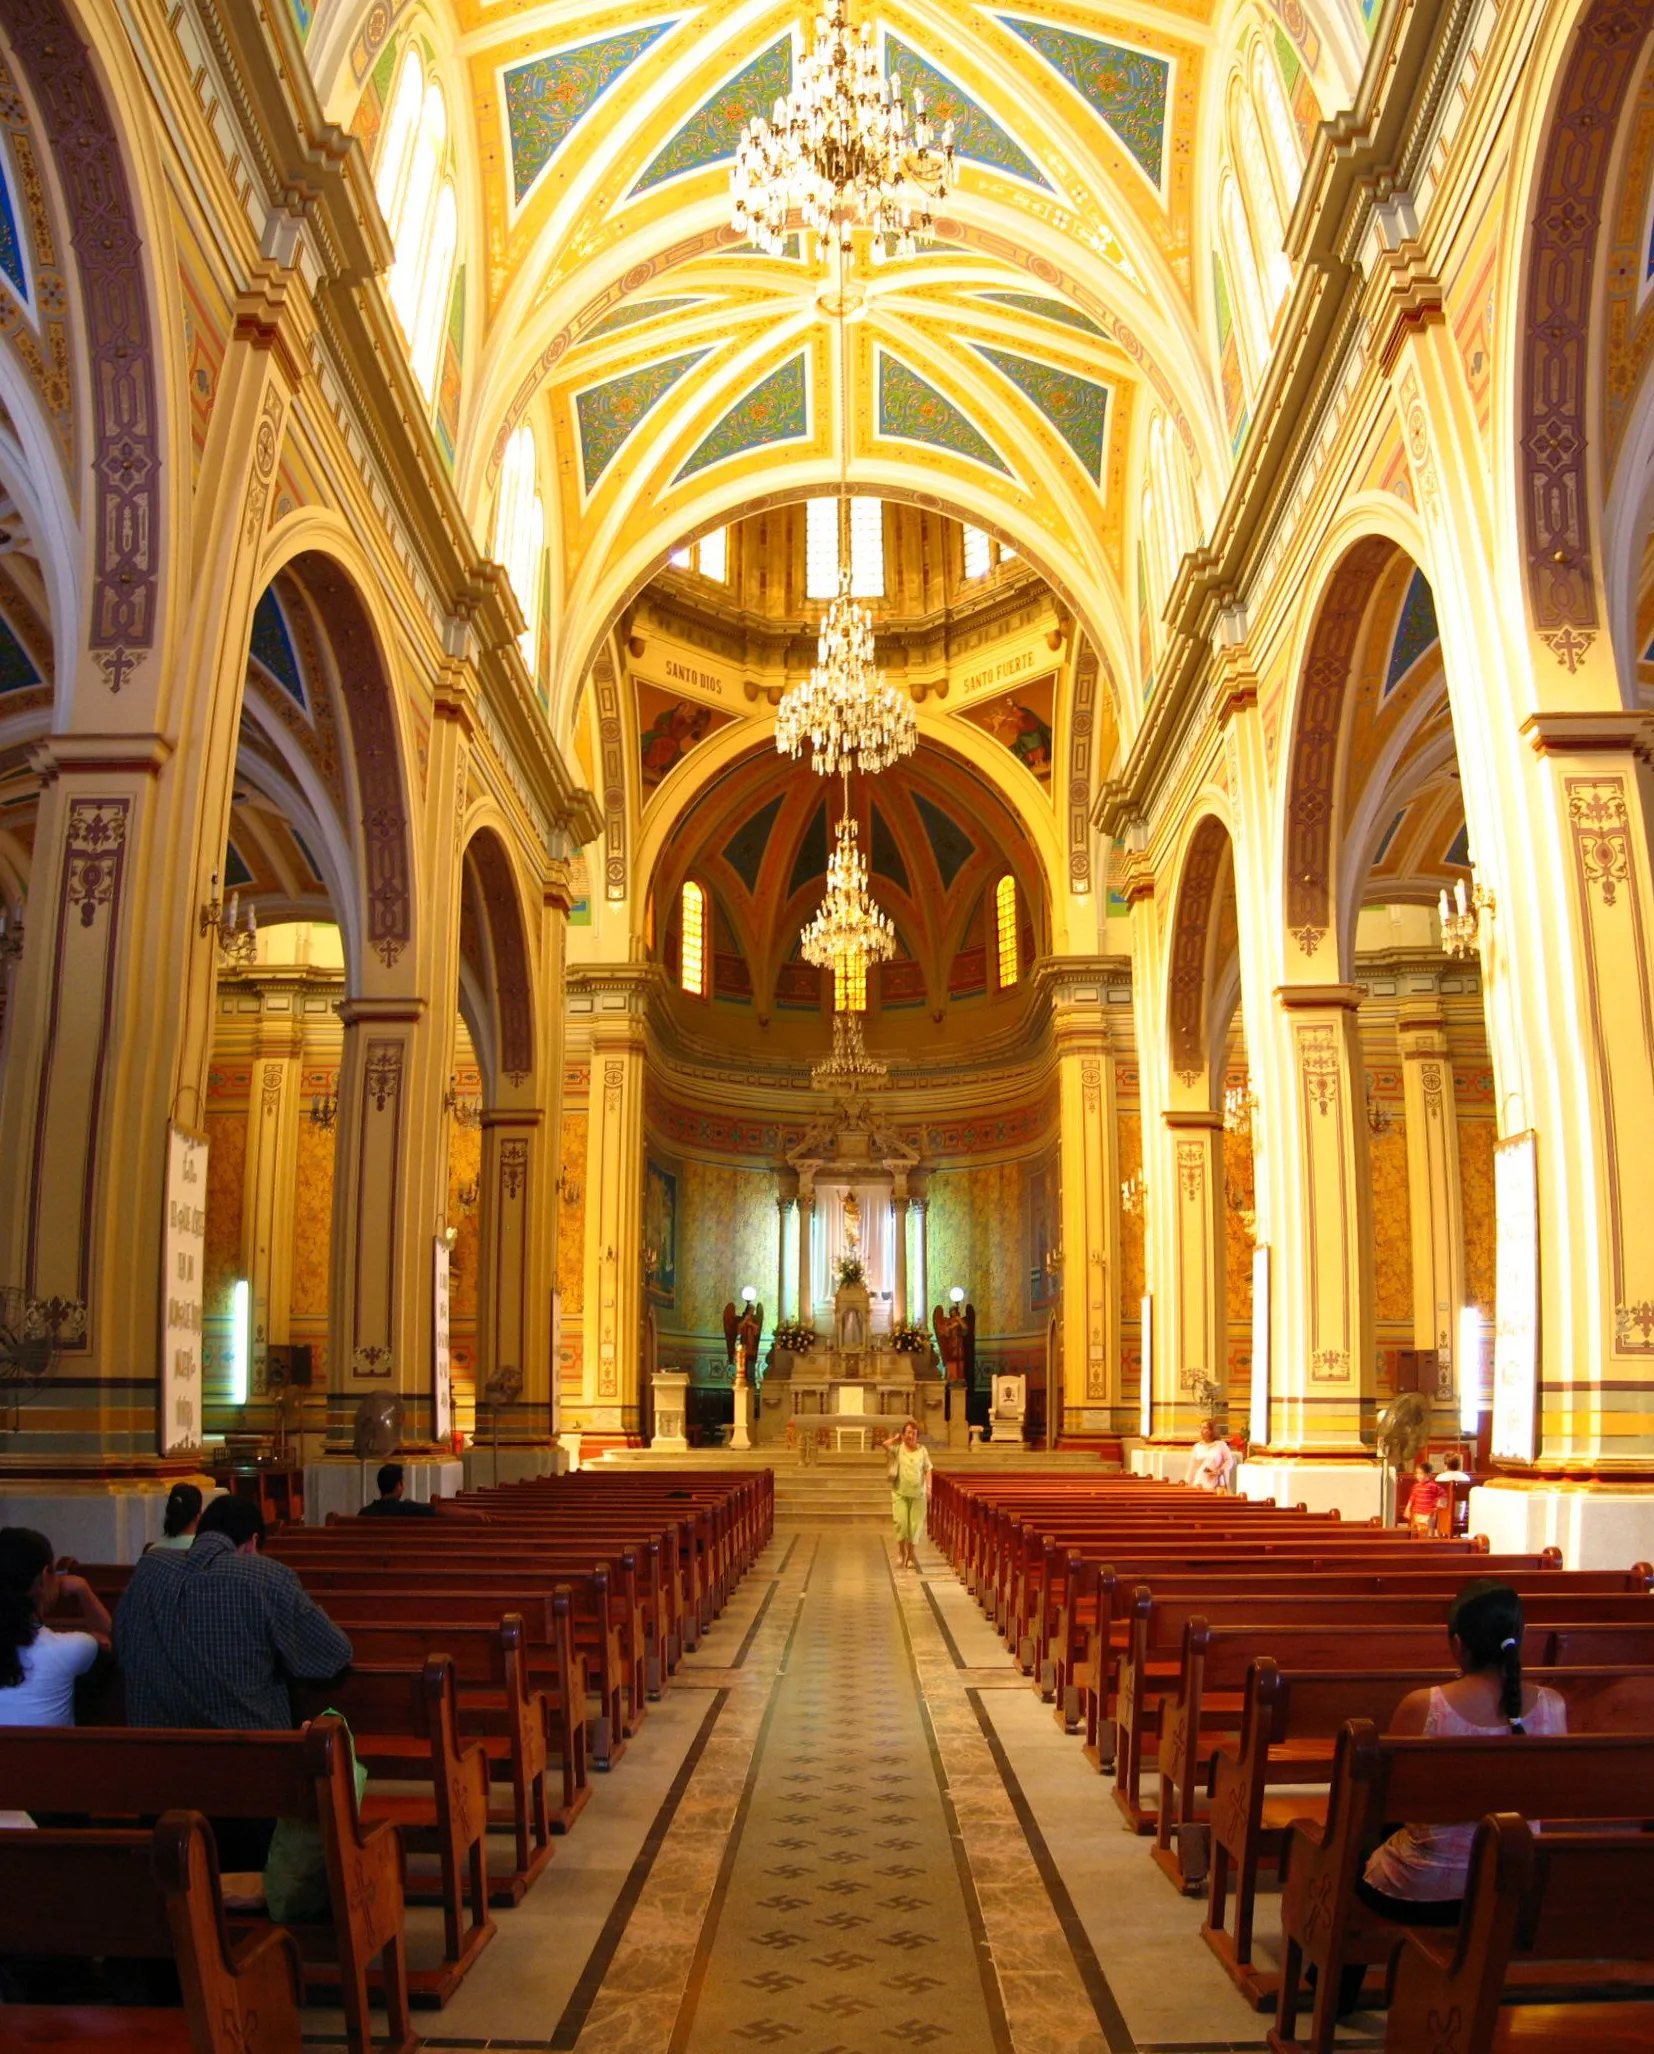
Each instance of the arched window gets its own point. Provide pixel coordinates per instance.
(1005, 929)
(520, 531)
(431, 317)
(821, 555)
(396, 144)
(422, 214)
(1168, 539)
(850, 984)
(1280, 130)
(692, 940)
(977, 553)
(1262, 200)
(1251, 321)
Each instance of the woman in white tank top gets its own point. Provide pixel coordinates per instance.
(1419, 1874)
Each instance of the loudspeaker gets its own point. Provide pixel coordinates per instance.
(303, 1365)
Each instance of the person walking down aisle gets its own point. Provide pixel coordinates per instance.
(1211, 1460)
(910, 1473)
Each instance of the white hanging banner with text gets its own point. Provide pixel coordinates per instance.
(183, 1258)
(442, 1407)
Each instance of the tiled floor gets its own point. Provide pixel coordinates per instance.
(850, 1826)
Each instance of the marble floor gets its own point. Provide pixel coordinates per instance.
(850, 1825)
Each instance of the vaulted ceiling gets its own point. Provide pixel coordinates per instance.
(673, 375)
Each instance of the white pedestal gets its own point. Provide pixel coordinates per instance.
(570, 1446)
(93, 1522)
(670, 1388)
(1161, 1459)
(515, 1464)
(1594, 1529)
(344, 1485)
(1355, 1490)
(741, 1433)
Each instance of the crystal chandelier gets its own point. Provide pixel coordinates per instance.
(840, 153)
(849, 1068)
(845, 713)
(850, 930)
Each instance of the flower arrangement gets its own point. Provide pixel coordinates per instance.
(792, 1337)
(910, 1340)
(849, 1270)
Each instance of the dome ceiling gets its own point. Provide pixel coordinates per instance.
(938, 839)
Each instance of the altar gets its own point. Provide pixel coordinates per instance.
(852, 1358)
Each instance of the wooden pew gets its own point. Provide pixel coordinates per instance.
(542, 1631)
(144, 1896)
(1095, 1621)
(1440, 1781)
(1548, 1901)
(128, 1772)
(607, 1610)
(1288, 1731)
(1206, 1704)
(500, 1712)
(415, 1594)
(1151, 1664)
(405, 1726)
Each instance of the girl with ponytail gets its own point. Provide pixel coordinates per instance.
(1418, 1876)
(1430, 1865)
(181, 1517)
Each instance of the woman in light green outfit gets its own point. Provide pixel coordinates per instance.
(910, 1469)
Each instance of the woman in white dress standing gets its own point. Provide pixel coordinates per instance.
(1211, 1461)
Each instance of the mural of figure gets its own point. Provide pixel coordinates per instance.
(672, 733)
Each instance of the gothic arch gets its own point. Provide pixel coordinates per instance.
(1558, 482)
(360, 676)
(510, 984)
(1313, 745)
(124, 447)
(1207, 866)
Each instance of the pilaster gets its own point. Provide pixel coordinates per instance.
(1433, 1191)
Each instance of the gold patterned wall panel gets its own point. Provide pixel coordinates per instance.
(1239, 1185)
(571, 1218)
(1392, 1228)
(312, 1222)
(1476, 1139)
(1132, 1269)
(726, 1237)
(976, 1240)
(226, 1174)
(464, 1174)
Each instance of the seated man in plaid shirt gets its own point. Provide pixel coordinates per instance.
(209, 1636)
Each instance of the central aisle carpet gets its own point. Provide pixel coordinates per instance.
(844, 1916)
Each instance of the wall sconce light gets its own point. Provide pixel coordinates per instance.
(324, 1109)
(957, 1295)
(237, 945)
(1461, 925)
(1134, 1193)
(466, 1112)
(1239, 1106)
(467, 1194)
(1380, 1117)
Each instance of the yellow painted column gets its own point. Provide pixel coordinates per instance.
(270, 1183)
(1089, 1198)
(1434, 1199)
(1324, 1369)
(614, 1229)
(1193, 1333)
